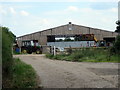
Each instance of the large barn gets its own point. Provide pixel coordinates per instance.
(50, 36)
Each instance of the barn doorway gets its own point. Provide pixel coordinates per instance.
(109, 41)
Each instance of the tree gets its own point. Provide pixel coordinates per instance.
(118, 27)
(116, 47)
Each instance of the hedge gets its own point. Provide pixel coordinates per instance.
(7, 41)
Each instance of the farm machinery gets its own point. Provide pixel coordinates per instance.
(30, 46)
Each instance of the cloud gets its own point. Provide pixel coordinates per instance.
(41, 20)
(12, 10)
(119, 10)
(102, 0)
(72, 8)
(67, 10)
(98, 18)
(24, 13)
(72, 0)
(45, 21)
(114, 10)
(103, 19)
(2, 11)
(59, 0)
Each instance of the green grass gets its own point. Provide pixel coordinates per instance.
(24, 76)
(88, 55)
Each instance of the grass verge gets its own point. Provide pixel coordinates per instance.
(24, 76)
(87, 55)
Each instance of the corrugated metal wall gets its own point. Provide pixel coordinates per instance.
(73, 44)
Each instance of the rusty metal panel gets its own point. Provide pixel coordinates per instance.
(78, 28)
(57, 31)
(94, 31)
(85, 30)
(19, 41)
(36, 36)
(102, 33)
(24, 37)
(110, 34)
(61, 30)
(48, 32)
(101, 37)
(32, 37)
(115, 34)
(42, 40)
(29, 37)
(98, 37)
(53, 31)
(75, 30)
(105, 34)
(42, 33)
(66, 30)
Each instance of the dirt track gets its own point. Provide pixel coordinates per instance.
(64, 74)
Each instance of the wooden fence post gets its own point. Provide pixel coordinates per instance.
(54, 51)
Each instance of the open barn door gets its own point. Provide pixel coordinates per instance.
(109, 41)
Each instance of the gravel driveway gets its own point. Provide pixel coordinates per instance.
(64, 74)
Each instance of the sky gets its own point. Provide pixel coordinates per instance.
(119, 10)
(24, 17)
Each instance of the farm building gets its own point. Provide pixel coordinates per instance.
(69, 35)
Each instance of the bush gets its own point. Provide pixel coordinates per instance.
(76, 56)
(117, 44)
(49, 56)
(7, 41)
(116, 47)
(7, 60)
(88, 55)
(69, 50)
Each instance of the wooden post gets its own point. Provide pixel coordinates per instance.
(20, 49)
(54, 51)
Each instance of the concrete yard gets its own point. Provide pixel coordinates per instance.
(64, 74)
